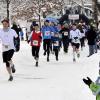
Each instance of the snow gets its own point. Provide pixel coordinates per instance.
(52, 80)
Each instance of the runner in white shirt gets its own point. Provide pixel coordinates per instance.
(7, 39)
(75, 37)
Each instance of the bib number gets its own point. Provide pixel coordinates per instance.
(60, 36)
(6, 47)
(65, 33)
(52, 33)
(56, 43)
(47, 33)
(35, 43)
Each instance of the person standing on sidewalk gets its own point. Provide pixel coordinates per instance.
(91, 37)
(7, 36)
(16, 40)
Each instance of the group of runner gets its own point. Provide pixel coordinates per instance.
(54, 37)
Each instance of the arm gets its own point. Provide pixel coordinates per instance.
(40, 36)
(15, 34)
(80, 34)
(30, 36)
(42, 31)
(70, 36)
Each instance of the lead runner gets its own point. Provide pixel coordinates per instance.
(7, 39)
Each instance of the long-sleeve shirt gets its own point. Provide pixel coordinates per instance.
(75, 36)
(7, 38)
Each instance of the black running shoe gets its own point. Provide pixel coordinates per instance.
(35, 57)
(36, 64)
(78, 55)
(10, 78)
(44, 53)
(13, 69)
(74, 60)
(47, 59)
(89, 55)
(56, 58)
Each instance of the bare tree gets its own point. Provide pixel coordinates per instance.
(26, 9)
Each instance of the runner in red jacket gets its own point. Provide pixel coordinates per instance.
(35, 39)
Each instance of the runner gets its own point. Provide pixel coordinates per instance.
(7, 36)
(75, 37)
(35, 40)
(65, 38)
(46, 31)
(56, 45)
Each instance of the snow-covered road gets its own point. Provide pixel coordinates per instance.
(52, 80)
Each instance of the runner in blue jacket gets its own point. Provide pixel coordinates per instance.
(56, 45)
(54, 30)
(46, 31)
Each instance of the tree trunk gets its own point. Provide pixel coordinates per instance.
(95, 11)
(8, 2)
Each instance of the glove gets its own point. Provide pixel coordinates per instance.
(70, 40)
(75, 38)
(40, 37)
(87, 81)
(28, 41)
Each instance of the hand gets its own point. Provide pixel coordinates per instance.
(28, 41)
(70, 40)
(87, 81)
(40, 37)
(75, 38)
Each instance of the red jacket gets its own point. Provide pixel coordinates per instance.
(36, 39)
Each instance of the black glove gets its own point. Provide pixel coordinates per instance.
(70, 40)
(87, 81)
(75, 38)
(28, 41)
(40, 37)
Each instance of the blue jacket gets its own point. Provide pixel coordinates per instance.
(46, 31)
(54, 29)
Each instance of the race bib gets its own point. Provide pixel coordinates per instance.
(5, 46)
(47, 33)
(52, 33)
(60, 36)
(35, 42)
(65, 33)
(56, 43)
